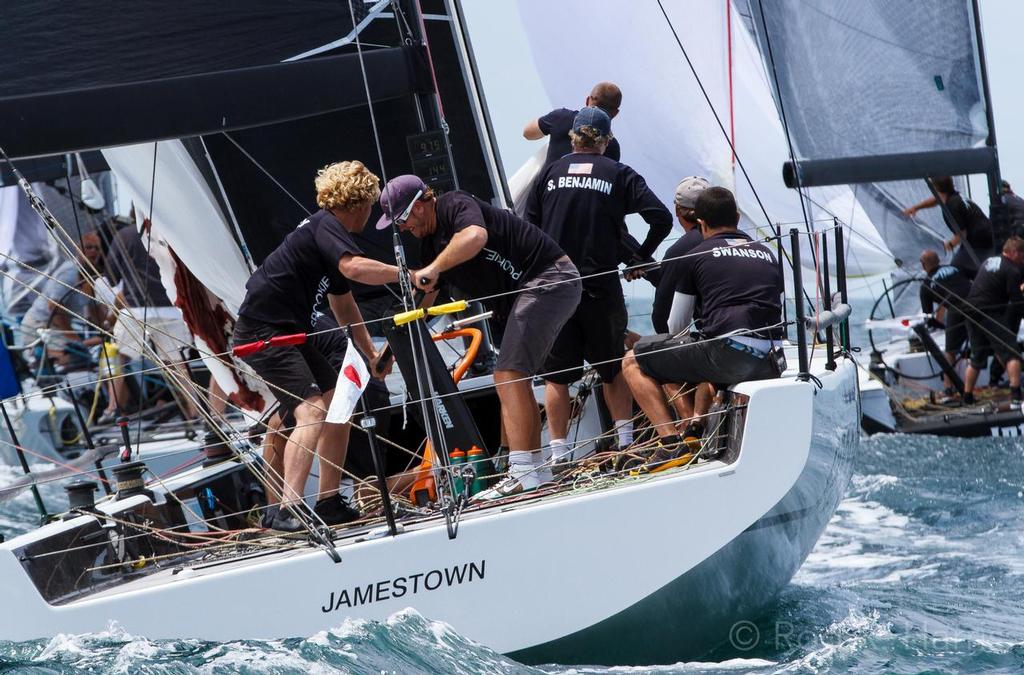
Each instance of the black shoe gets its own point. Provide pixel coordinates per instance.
(334, 511)
(285, 521)
(969, 399)
(267, 522)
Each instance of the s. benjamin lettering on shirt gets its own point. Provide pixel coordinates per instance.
(580, 183)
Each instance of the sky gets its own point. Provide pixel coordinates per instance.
(515, 95)
(1002, 22)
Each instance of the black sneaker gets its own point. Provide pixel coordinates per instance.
(334, 510)
(267, 522)
(692, 436)
(285, 521)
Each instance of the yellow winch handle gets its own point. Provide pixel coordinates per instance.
(448, 308)
(403, 318)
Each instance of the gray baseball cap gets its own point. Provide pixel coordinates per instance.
(689, 189)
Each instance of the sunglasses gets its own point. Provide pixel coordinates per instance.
(404, 216)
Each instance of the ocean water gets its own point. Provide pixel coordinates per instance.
(922, 569)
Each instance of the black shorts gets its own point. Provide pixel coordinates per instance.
(595, 334)
(956, 330)
(682, 360)
(991, 334)
(294, 373)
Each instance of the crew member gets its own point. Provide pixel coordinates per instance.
(972, 231)
(67, 292)
(581, 200)
(487, 251)
(738, 285)
(943, 292)
(557, 124)
(687, 192)
(995, 305)
(315, 261)
(1014, 207)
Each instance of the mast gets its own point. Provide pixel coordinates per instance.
(995, 198)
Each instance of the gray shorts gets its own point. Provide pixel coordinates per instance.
(538, 314)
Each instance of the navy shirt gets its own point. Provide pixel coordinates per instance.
(515, 251)
(581, 200)
(945, 286)
(996, 288)
(670, 269)
(737, 283)
(290, 288)
(976, 230)
(556, 125)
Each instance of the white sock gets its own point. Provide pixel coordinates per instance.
(544, 456)
(520, 461)
(559, 448)
(625, 431)
(521, 467)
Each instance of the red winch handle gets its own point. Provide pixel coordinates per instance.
(276, 341)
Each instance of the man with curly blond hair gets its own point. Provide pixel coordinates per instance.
(309, 272)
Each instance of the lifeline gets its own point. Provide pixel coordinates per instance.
(398, 587)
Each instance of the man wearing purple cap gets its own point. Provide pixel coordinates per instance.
(581, 200)
(517, 271)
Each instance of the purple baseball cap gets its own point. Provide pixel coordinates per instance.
(397, 198)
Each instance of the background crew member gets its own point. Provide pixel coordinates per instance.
(485, 251)
(995, 304)
(581, 200)
(51, 307)
(1014, 207)
(944, 292)
(557, 124)
(962, 217)
(314, 261)
(738, 285)
(686, 198)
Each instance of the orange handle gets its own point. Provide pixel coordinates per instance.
(476, 337)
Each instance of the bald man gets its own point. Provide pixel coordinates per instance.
(558, 123)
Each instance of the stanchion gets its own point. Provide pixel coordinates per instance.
(798, 292)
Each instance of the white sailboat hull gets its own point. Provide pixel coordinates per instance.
(663, 564)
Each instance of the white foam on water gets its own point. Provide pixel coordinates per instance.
(270, 657)
(840, 639)
(738, 664)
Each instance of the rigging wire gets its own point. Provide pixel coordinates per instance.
(721, 126)
(369, 98)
